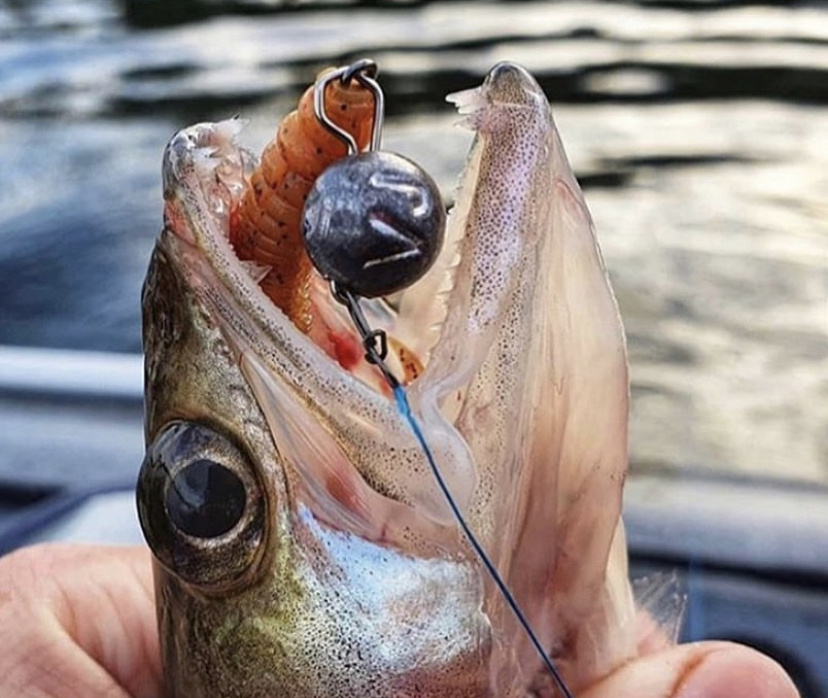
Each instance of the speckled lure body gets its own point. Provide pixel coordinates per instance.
(265, 222)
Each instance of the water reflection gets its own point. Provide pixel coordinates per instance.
(699, 132)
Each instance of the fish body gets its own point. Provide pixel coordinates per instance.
(302, 547)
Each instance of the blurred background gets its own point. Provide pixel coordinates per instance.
(698, 129)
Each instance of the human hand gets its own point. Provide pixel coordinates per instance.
(80, 621)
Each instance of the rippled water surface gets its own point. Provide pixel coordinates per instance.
(699, 130)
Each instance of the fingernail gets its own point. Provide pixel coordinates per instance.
(737, 672)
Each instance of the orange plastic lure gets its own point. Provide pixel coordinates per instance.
(265, 225)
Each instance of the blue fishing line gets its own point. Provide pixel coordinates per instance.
(405, 410)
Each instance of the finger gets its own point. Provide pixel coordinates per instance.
(698, 670)
(78, 621)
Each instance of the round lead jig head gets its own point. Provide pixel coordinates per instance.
(374, 223)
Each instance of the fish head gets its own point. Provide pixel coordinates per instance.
(302, 546)
(290, 559)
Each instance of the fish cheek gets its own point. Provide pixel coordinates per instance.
(202, 507)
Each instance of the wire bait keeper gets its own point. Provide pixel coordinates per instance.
(365, 72)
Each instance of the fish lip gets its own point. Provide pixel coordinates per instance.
(507, 88)
(205, 171)
(199, 141)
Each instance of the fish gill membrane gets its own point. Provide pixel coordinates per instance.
(523, 401)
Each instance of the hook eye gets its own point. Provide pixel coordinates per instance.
(364, 72)
(364, 66)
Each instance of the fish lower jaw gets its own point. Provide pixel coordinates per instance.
(222, 167)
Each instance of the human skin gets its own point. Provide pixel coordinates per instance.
(78, 621)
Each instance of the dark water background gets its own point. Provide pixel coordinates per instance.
(698, 128)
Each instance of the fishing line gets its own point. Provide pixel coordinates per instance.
(405, 410)
(375, 344)
(331, 246)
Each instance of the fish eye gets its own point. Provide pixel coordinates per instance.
(201, 506)
(205, 499)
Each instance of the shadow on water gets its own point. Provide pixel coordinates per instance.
(145, 14)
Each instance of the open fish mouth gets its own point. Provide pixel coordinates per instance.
(521, 388)
(205, 171)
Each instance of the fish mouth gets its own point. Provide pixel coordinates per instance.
(478, 320)
(362, 468)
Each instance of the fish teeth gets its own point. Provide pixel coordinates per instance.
(470, 105)
(467, 101)
(255, 270)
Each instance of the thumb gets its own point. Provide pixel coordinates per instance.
(698, 670)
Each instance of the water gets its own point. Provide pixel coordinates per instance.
(699, 130)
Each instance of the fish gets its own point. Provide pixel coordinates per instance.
(301, 545)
